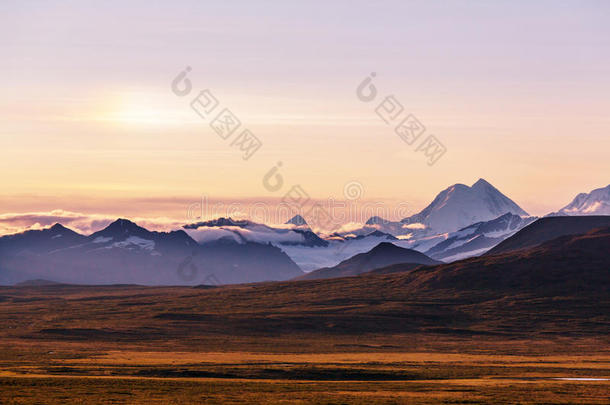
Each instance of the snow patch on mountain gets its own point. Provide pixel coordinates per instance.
(459, 206)
(134, 241)
(597, 202)
(477, 238)
(465, 255)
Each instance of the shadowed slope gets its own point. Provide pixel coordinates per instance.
(381, 255)
(549, 228)
(559, 289)
(571, 264)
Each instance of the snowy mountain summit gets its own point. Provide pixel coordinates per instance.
(597, 202)
(459, 206)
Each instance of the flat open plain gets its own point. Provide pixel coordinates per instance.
(297, 343)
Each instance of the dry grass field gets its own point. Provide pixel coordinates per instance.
(142, 377)
(298, 343)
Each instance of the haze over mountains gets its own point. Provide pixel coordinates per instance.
(225, 250)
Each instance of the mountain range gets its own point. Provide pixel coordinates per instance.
(226, 250)
(125, 253)
(455, 208)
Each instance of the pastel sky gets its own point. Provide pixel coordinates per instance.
(517, 91)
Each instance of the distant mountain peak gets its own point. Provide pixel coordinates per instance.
(383, 254)
(376, 220)
(121, 227)
(596, 202)
(385, 247)
(58, 228)
(124, 252)
(297, 220)
(460, 205)
(123, 222)
(482, 183)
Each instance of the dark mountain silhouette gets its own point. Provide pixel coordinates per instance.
(570, 264)
(124, 233)
(375, 220)
(551, 293)
(381, 255)
(548, 228)
(297, 220)
(377, 234)
(39, 241)
(124, 252)
(121, 228)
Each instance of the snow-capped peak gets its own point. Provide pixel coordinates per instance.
(597, 202)
(459, 206)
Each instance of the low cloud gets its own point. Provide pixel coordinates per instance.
(80, 222)
(353, 226)
(260, 234)
(415, 225)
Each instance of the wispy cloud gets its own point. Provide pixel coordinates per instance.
(80, 222)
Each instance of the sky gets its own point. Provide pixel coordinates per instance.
(515, 91)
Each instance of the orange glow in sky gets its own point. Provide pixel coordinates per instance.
(89, 122)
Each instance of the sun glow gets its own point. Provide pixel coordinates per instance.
(149, 109)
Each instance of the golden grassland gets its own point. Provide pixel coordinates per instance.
(286, 344)
(142, 377)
